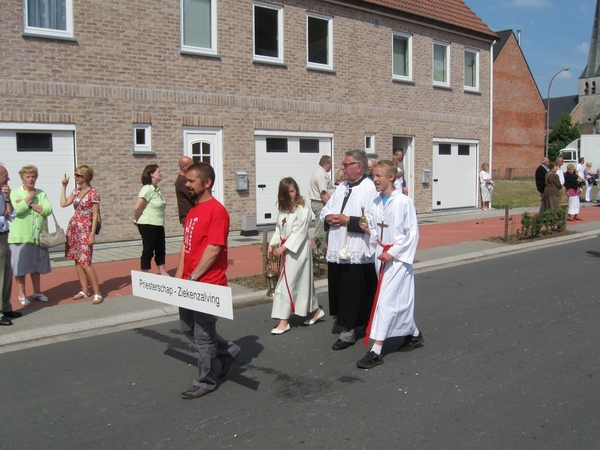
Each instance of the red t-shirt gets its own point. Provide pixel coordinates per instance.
(206, 224)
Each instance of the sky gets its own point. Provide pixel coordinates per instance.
(554, 34)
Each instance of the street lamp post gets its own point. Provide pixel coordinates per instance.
(548, 107)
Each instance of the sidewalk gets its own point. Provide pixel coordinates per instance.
(445, 238)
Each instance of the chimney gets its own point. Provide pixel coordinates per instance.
(519, 37)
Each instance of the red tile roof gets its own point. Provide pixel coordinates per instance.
(453, 12)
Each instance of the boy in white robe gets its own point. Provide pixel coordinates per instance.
(395, 233)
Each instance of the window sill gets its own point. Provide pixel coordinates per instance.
(321, 69)
(144, 153)
(48, 36)
(472, 91)
(269, 63)
(200, 53)
(403, 81)
(442, 87)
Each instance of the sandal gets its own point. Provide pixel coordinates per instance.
(97, 299)
(24, 301)
(80, 295)
(40, 297)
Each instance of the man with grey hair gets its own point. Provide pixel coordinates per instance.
(350, 261)
(7, 214)
(540, 176)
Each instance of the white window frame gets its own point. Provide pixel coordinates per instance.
(262, 58)
(50, 32)
(446, 82)
(408, 37)
(329, 19)
(476, 52)
(147, 147)
(370, 149)
(212, 50)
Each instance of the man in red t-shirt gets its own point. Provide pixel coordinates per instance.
(203, 258)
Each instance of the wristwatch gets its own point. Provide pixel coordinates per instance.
(191, 278)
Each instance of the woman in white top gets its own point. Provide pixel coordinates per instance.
(487, 185)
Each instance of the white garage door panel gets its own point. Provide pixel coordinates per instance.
(51, 167)
(454, 177)
(272, 167)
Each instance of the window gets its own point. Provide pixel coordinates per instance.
(319, 41)
(587, 88)
(441, 64)
(444, 149)
(199, 26)
(268, 33)
(142, 138)
(593, 87)
(309, 145)
(201, 152)
(370, 142)
(464, 149)
(277, 145)
(472, 70)
(50, 18)
(402, 56)
(34, 142)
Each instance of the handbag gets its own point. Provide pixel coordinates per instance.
(48, 240)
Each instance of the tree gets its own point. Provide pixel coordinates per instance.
(562, 135)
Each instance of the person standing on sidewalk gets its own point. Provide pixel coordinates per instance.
(184, 201)
(203, 258)
(394, 232)
(319, 190)
(350, 261)
(7, 214)
(540, 175)
(561, 176)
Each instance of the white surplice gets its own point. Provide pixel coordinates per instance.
(361, 195)
(395, 306)
(296, 271)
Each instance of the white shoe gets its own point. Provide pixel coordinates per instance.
(24, 301)
(281, 331)
(313, 321)
(40, 297)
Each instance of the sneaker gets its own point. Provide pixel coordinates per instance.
(370, 360)
(410, 342)
(194, 392)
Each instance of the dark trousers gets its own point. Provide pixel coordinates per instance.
(6, 274)
(153, 244)
(201, 330)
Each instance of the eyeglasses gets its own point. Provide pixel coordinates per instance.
(346, 165)
(78, 175)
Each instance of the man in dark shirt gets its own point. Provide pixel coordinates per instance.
(184, 201)
(540, 175)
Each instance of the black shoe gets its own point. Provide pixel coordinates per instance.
(410, 342)
(194, 392)
(5, 321)
(370, 360)
(12, 314)
(341, 345)
(226, 368)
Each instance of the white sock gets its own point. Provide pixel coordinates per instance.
(377, 348)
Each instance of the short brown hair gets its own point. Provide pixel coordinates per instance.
(284, 203)
(146, 174)
(205, 171)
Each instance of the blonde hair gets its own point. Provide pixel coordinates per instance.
(29, 169)
(390, 167)
(86, 172)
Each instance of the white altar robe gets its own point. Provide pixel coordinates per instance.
(395, 306)
(298, 266)
(363, 194)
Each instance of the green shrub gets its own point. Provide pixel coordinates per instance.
(542, 224)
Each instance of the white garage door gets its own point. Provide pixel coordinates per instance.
(280, 155)
(52, 152)
(454, 174)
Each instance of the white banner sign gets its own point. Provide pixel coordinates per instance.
(202, 297)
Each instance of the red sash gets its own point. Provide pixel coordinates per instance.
(282, 264)
(386, 247)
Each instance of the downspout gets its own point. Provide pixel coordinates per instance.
(491, 103)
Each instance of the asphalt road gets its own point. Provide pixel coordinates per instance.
(510, 361)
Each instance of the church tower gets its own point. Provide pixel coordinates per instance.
(589, 83)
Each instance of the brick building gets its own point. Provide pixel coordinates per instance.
(254, 87)
(519, 112)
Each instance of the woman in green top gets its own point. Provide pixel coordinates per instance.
(149, 216)
(32, 208)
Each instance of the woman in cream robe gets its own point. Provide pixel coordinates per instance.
(295, 291)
